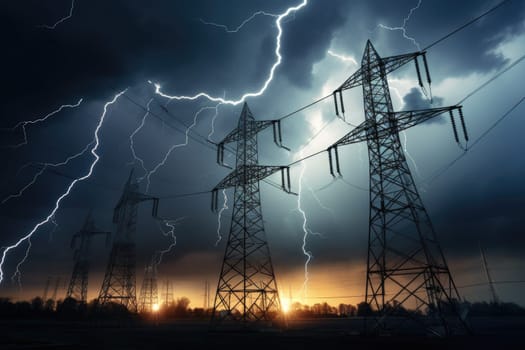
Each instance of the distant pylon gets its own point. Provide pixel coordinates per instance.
(247, 291)
(78, 285)
(119, 285)
(149, 292)
(493, 294)
(406, 268)
(168, 294)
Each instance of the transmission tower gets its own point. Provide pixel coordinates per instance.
(247, 290)
(78, 284)
(493, 294)
(119, 281)
(406, 268)
(149, 292)
(168, 294)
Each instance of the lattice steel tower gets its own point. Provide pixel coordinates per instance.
(119, 281)
(406, 268)
(247, 290)
(149, 291)
(78, 284)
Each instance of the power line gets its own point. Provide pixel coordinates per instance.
(448, 166)
(465, 25)
(492, 79)
(494, 282)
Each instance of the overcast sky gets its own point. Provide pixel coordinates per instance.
(105, 47)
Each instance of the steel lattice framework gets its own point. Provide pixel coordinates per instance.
(120, 280)
(247, 290)
(406, 268)
(78, 284)
(149, 292)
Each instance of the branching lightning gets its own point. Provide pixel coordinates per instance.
(173, 147)
(95, 144)
(159, 254)
(17, 276)
(308, 254)
(343, 58)
(25, 123)
(403, 28)
(219, 215)
(137, 159)
(239, 27)
(53, 26)
(277, 62)
(44, 166)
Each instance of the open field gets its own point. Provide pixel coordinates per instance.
(490, 333)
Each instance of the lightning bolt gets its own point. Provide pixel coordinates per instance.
(171, 233)
(137, 159)
(343, 58)
(239, 27)
(403, 28)
(17, 276)
(219, 215)
(173, 147)
(95, 144)
(277, 62)
(308, 254)
(53, 26)
(25, 123)
(44, 166)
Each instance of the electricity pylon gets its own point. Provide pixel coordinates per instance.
(119, 281)
(406, 267)
(78, 284)
(247, 290)
(149, 296)
(493, 293)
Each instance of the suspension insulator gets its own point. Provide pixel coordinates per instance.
(427, 71)
(337, 160)
(283, 187)
(335, 102)
(330, 161)
(214, 202)
(454, 126)
(462, 119)
(418, 72)
(342, 103)
(274, 126)
(288, 179)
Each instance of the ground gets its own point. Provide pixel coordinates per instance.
(493, 333)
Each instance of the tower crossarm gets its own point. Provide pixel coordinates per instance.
(389, 65)
(135, 197)
(390, 123)
(252, 129)
(395, 121)
(255, 127)
(247, 174)
(250, 174)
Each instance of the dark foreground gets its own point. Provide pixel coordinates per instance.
(324, 334)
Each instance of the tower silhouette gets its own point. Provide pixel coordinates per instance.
(247, 290)
(120, 280)
(406, 267)
(149, 291)
(493, 294)
(78, 284)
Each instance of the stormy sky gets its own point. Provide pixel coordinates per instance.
(108, 46)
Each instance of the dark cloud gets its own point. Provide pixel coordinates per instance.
(107, 46)
(415, 100)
